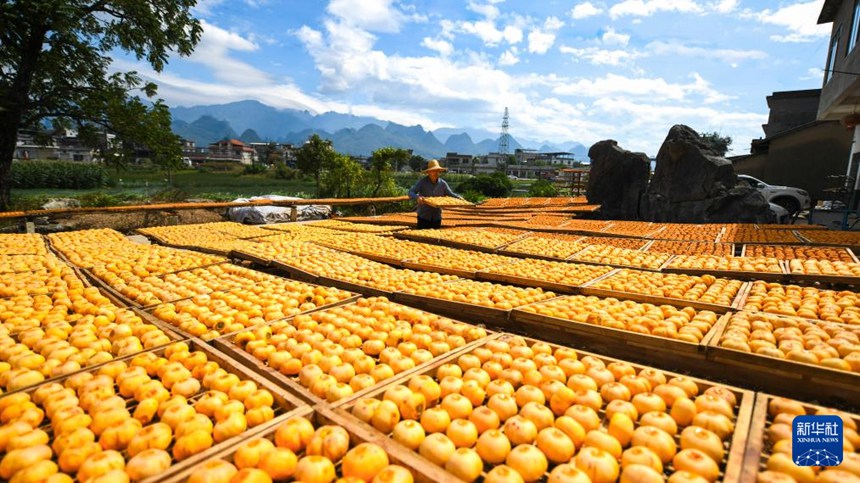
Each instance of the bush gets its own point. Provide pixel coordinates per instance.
(495, 185)
(473, 196)
(255, 168)
(542, 189)
(99, 199)
(282, 171)
(57, 175)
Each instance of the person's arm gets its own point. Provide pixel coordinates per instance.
(414, 191)
(449, 192)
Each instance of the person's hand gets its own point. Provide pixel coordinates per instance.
(420, 200)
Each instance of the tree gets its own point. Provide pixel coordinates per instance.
(341, 176)
(417, 162)
(494, 185)
(542, 189)
(55, 58)
(314, 156)
(382, 161)
(719, 145)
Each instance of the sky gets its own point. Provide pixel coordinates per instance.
(581, 71)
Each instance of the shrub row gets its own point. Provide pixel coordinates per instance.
(57, 174)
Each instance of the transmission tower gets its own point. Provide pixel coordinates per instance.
(504, 138)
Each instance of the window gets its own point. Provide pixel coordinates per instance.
(855, 27)
(831, 59)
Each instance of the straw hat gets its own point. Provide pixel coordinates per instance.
(433, 165)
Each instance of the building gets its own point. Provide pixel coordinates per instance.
(840, 92)
(57, 146)
(231, 150)
(278, 151)
(798, 149)
(532, 156)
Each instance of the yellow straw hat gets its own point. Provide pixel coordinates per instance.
(433, 165)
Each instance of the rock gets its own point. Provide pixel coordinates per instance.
(617, 180)
(691, 184)
(61, 203)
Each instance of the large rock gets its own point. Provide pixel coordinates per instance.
(692, 184)
(617, 180)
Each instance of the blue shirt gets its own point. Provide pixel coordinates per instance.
(424, 187)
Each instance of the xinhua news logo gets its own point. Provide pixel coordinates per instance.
(816, 440)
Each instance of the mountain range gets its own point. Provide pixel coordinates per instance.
(355, 135)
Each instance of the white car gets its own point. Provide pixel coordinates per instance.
(792, 199)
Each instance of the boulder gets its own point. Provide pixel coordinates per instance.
(617, 180)
(693, 184)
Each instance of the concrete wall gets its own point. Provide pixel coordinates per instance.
(838, 95)
(802, 159)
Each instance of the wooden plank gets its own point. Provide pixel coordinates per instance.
(742, 295)
(620, 338)
(422, 471)
(283, 402)
(602, 277)
(457, 310)
(731, 465)
(427, 267)
(239, 254)
(767, 276)
(526, 282)
(294, 272)
(354, 287)
(228, 345)
(785, 377)
(652, 299)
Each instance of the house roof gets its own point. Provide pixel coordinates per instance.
(829, 11)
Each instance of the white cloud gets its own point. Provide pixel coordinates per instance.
(584, 10)
(725, 6)
(553, 23)
(444, 48)
(214, 51)
(656, 88)
(489, 34)
(509, 57)
(540, 42)
(729, 56)
(646, 8)
(598, 56)
(798, 19)
(490, 12)
(611, 37)
(371, 15)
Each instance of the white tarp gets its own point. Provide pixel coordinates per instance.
(260, 215)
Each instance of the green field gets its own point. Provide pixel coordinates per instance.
(137, 185)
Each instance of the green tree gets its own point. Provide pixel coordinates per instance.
(55, 57)
(383, 161)
(417, 162)
(316, 154)
(341, 177)
(719, 145)
(494, 185)
(542, 189)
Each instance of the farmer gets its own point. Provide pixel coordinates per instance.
(428, 186)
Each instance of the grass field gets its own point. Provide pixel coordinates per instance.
(140, 185)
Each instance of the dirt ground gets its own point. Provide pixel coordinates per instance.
(128, 222)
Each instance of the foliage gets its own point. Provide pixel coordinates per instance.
(417, 162)
(282, 171)
(57, 174)
(314, 156)
(55, 62)
(99, 198)
(716, 143)
(494, 185)
(542, 189)
(256, 168)
(341, 177)
(383, 161)
(473, 196)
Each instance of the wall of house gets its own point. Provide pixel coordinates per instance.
(791, 109)
(840, 87)
(802, 159)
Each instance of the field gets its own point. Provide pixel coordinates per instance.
(366, 350)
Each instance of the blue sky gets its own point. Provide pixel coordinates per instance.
(567, 70)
